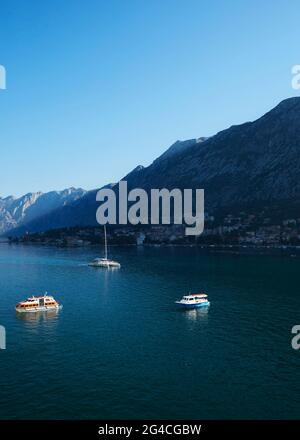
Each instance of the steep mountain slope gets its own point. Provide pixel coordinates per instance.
(17, 211)
(255, 161)
(246, 165)
(179, 147)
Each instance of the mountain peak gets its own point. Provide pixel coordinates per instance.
(134, 172)
(137, 169)
(16, 211)
(289, 103)
(179, 147)
(285, 107)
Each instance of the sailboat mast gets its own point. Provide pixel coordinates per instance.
(105, 242)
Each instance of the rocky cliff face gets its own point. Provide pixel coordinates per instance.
(246, 165)
(255, 161)
(15, 212)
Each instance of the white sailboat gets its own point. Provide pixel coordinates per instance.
(104, 262)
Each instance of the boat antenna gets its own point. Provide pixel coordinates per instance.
(105, 243)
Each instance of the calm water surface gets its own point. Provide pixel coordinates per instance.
(120, 349)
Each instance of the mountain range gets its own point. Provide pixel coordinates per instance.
(253, 164)
(15, 212)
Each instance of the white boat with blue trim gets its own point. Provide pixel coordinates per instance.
(193, 300)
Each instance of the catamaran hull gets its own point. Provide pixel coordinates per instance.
(104, 264)
(192, 306)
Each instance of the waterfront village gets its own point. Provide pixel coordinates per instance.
(241, 229)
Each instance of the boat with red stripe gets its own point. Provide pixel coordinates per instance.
(38, 304)
(193, 300)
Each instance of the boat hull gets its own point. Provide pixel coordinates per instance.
(38, 309)
(105, 264)
(192, 306)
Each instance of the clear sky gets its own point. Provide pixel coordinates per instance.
(95, 88)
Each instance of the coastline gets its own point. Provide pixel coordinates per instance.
(264, 250)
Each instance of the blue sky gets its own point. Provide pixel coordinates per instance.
(95, 88)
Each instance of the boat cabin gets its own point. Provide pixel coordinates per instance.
(194, 296)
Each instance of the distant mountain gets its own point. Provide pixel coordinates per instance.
(15, 212)
(251, 164)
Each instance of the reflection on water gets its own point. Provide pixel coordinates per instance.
(34, 318)
(197, 314)
(105, 275)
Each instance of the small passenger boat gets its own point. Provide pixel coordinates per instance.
(193, 300)
(38, 304)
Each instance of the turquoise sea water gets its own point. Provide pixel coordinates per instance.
(119, 348)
